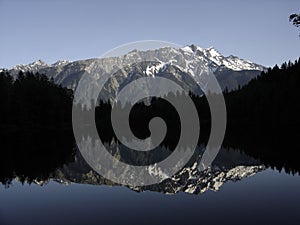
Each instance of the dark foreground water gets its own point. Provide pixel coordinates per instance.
(242, 191)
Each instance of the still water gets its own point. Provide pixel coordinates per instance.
(236, 191)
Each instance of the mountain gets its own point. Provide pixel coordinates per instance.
(182, 65)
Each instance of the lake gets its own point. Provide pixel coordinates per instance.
(237, 189)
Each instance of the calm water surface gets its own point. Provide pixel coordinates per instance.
(266, 197)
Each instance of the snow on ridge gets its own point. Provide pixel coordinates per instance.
(60, 63)
(211, 55)
(154, 69)
(213, 52)
(31, 66)
(187, 49)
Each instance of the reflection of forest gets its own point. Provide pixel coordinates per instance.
(34, 155)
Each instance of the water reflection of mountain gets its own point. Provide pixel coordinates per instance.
(230, 165)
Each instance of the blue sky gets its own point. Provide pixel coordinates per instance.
(51, 30)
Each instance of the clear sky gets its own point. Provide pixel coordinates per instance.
(257, 30)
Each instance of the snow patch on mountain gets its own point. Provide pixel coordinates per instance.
(154, 69)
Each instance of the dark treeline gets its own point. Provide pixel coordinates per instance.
(35, 127)
(33, 101)
(139, 118)
(34, 155)
(268, 102)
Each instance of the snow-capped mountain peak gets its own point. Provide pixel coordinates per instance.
(60, 63)
(34, 66)
(211, 51)
(214, 59)
(187, 49)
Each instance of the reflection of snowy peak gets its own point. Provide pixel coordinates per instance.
(228, 166)
(196, 182)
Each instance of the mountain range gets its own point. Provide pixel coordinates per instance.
(182, 65)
